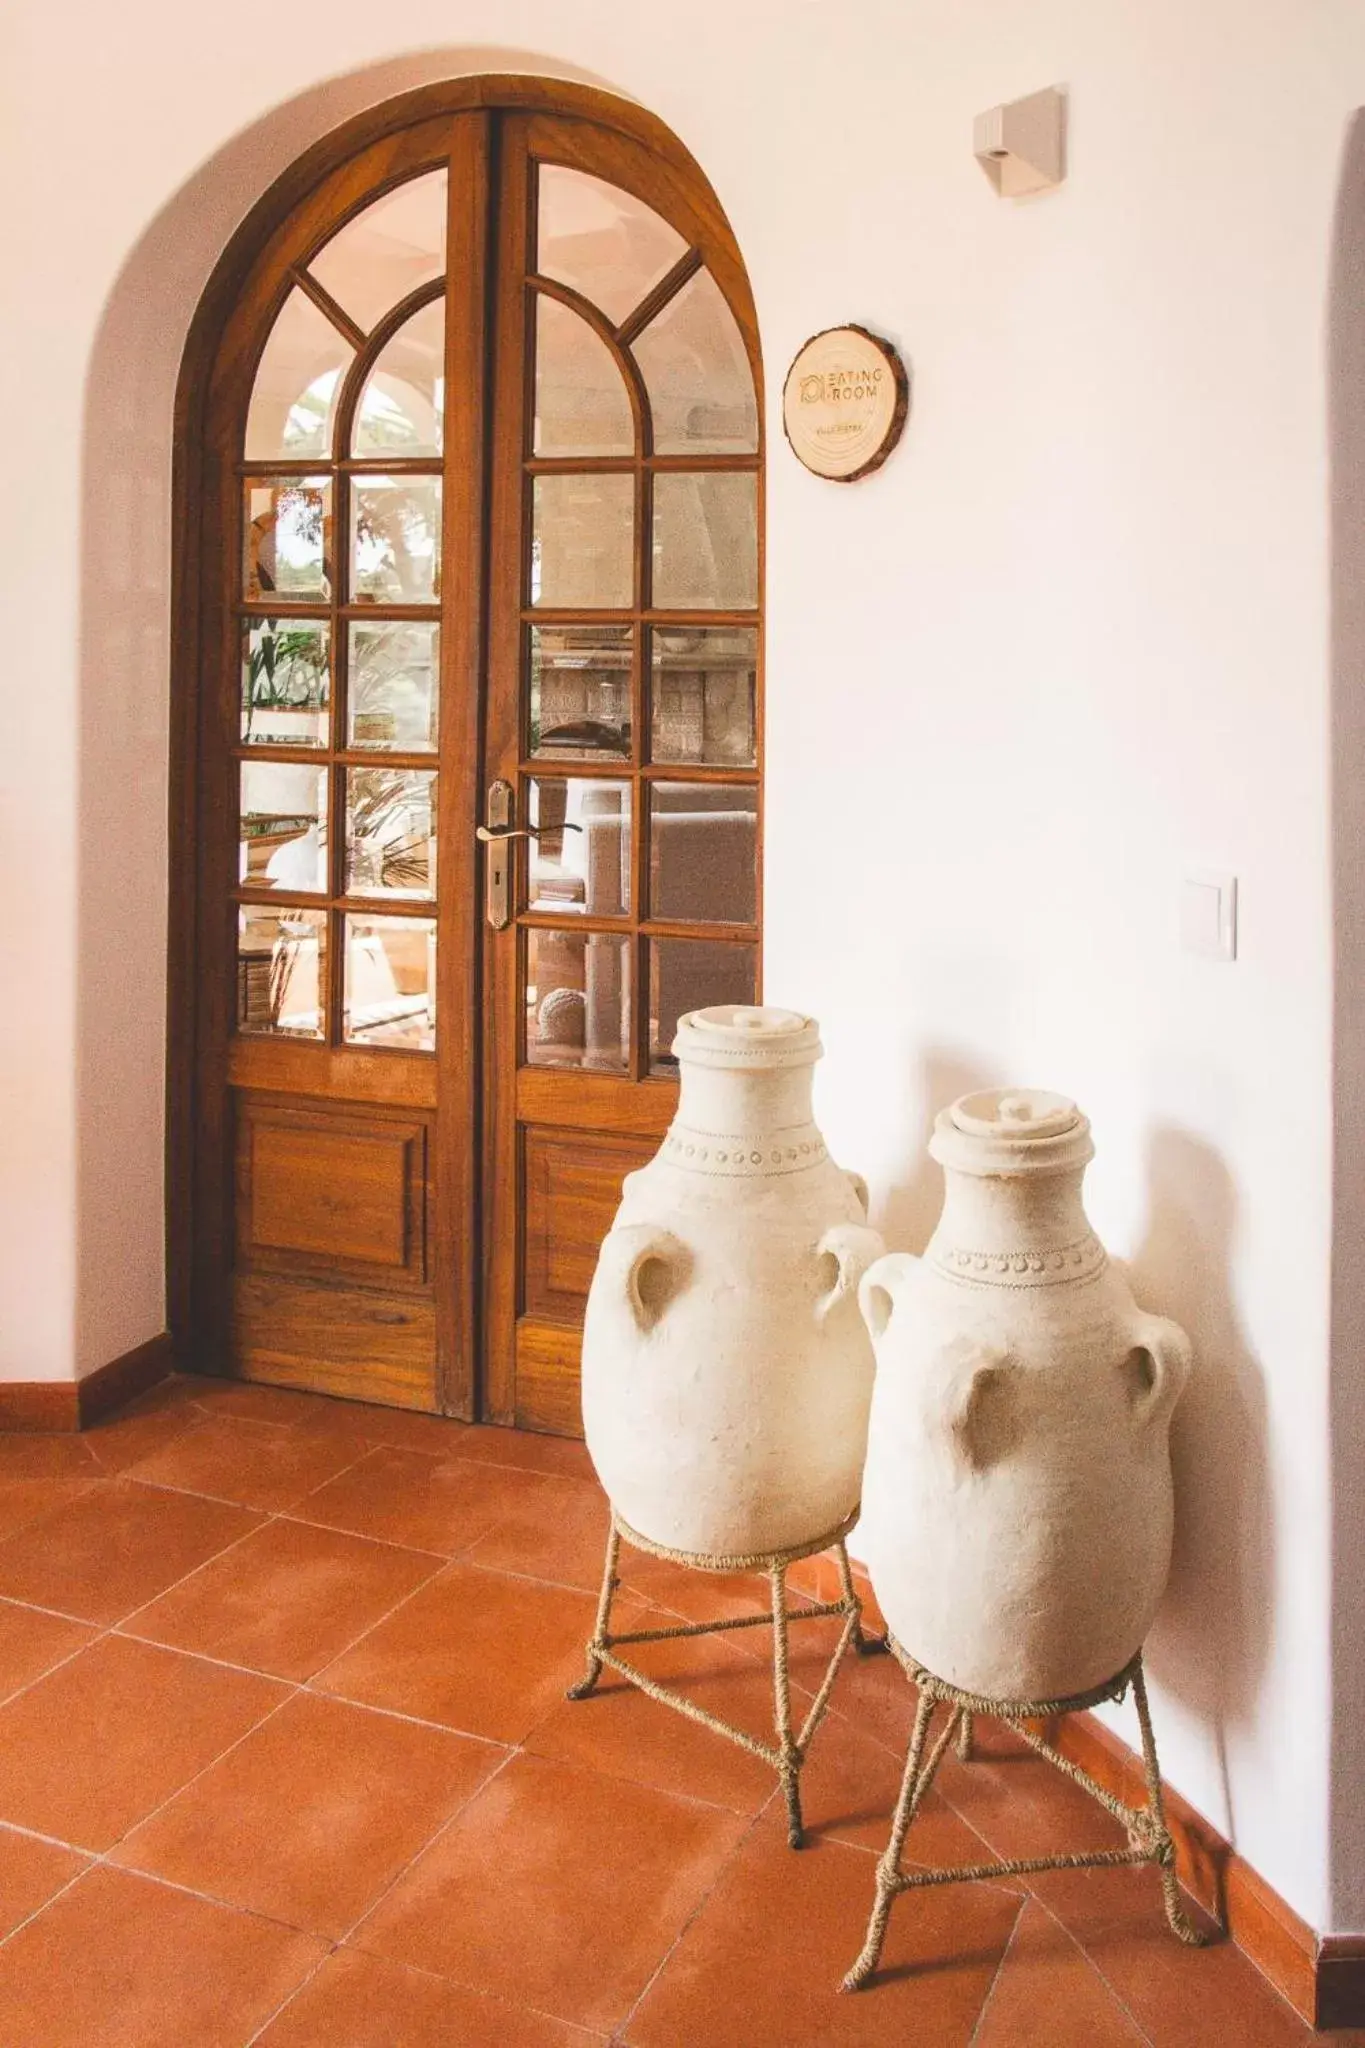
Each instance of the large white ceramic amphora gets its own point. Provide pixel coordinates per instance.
(726, 1370)
(1017, 1502)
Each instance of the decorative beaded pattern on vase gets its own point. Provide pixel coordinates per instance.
(733, 1156)
(1083, 1259)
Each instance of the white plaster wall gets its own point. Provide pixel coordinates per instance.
(1071, 640)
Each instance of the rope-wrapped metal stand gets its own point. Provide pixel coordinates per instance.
(1149, 1837)
(788, 1753)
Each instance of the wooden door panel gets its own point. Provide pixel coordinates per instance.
(359, 1343)
(332, 1288)
(331, 1193)
(572, 1184)
(335, 1073)
(592, 1102)
(547, 1368)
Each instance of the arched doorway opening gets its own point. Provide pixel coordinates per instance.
(468, 644)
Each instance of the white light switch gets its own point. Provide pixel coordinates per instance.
(1208, 916)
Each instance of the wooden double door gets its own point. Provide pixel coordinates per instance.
(475, 550)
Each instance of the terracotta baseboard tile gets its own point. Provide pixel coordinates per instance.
(1322, 1977)
(53, 1406)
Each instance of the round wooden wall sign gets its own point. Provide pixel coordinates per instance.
(844, 403)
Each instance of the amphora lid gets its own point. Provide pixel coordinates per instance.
(747, 1037)
(1012, 1131)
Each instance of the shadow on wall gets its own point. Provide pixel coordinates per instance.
(125, 572)
(912, 1206)
(1210, 1642)
(1346, 440)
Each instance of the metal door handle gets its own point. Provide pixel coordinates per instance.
(491, 834)
(497, 896)
(497, 887)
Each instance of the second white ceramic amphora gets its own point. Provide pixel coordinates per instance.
(1017, 1507)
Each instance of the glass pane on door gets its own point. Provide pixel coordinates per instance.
(602, 241)
(702, 690)
(395, 539)
(393, 685)
(283, 836)
(703, 853)
(390, 982)
(287, 539)
(693, 974)
(293, 401)
(401, 407)
(706, 541)
(395, 245)
(581, 403)
(580, 692)
(281, 970)
(582, 542)
(577, 997)
(391, 831)
(697, 375)
(580, 854)
(286, 682)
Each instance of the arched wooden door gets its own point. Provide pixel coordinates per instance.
(471, 604)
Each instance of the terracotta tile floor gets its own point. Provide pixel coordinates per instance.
(285, 1757)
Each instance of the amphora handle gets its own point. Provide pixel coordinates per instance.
(969, 1387)
(1155, 1368)
(976, 1402)
(851, 1247)
(881, 1287)
(644, 1266)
